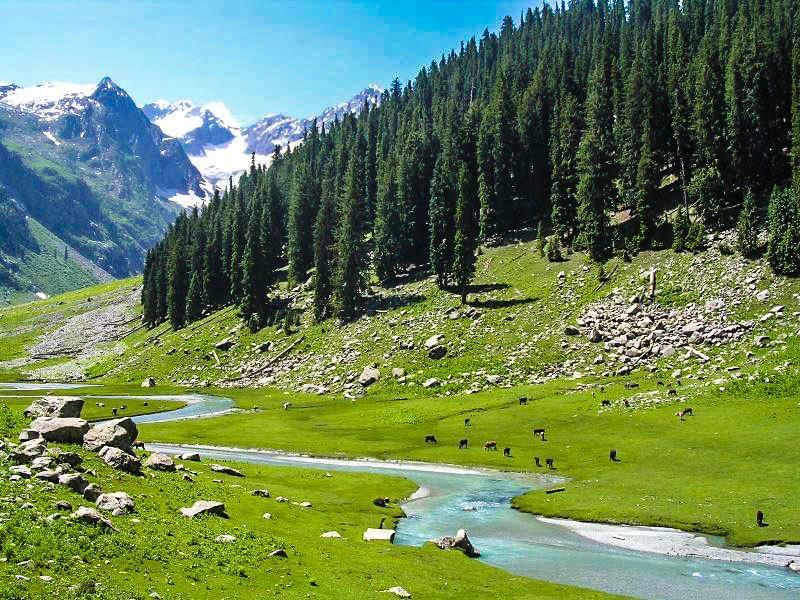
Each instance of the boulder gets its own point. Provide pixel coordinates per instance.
(437, 352)
(204, 507)
(279, 553)
(595, 336)
(227, 470)
(398, 372)
(398, 591)
(69, 458)
(68, 430)
(149, 382)
(459, 542)
(118, 459)
(331, 534)
(190, 456)
(92, 492)
(74, 481)
(22, 471)
(63, 505)
(49, 475)
(119, 433)
(369, 376)
(431, 383)
(379, 535)
(42, 462)
(571, 330)
(160, 462)
(225, 538)
(29, 451)
(494, 379)
(117, 503)
(27, 435)
(55, 406)
(434, 340)
(90, 516)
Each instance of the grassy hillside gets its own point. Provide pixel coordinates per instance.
(511, 341)
(157, 551)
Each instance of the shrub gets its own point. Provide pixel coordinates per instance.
(784, 232)
(680, 230)
(696, 237)
(747, 227)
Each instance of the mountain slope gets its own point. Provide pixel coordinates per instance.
(91, 168)
(220, 148)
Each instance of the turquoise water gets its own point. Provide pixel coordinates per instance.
(508, 539)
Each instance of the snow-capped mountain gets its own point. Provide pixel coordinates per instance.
(87, 164)
(220, 148)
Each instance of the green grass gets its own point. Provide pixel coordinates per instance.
(157, 550)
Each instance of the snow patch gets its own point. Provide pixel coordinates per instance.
(49, 100)
(41, 295)
(52, 138)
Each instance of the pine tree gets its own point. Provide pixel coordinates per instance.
(351, 246)
(324, 250)
(680, 230)
(784, 232)
(302, 208)
(566, 137)
(747, 226)
(177, 276)
(444, 193)
(389, 231)
(254, 281)
(465, 241)
(646, 185)
(796, 107)
(194, 298)
(596, 167)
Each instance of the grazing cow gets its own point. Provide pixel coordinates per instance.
(538, 461)
(672, 392)
(539, 432)
(466, 422)
(686, 412)
(626, 403)
(463, 444)
(605, 402)
(490, 445)
(659, 382)
(760, 519)
(139, 445)
(430, 439)
(146, 404)
(630, 385)
(549, 463)
(286, 405)
(381, 502)
(506, 451)
(612, 456)
(124, 407)
(114, 411)
(523, 400)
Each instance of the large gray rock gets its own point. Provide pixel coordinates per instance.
(90, 516)
(437, 352)
(74, 481)
(227, 470)
(204, 507)
(369, 376)
(55, 406)
(117, 503)
(64, 430)
(160, 462)
(149, 382)
(459, 542)
(119, 433)
(379, 535)
(118, 459)
(92, 492)
(28, 451)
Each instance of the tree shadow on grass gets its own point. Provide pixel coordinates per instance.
(495, 303)
(483, 288)
(395, 301)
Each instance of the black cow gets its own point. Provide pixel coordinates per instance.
(466, 423)
(605, 402)
(760, 519)
(463, 444)
(506, 451)
(523, 400)
(549, 463)
(612, 456)
(538, 461)
(539, 432)
(114, 411)
(381, 502)
(430, 439)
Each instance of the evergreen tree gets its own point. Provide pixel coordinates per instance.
(596, 167)
(465, 241)
(351, 246)
(389, 231)
(566, 138)
(324, 258)
(444, 193)
(680, 230)
(302, 208)
(747, 226)
(784, 231)
(177, 276)
(194, 297)
(254, 282)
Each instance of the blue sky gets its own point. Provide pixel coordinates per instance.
(293, 57)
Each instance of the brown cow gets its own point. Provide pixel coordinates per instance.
(686, 412)
(490, 445)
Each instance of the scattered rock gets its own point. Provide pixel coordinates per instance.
(398, 372)
(92, 492)
(204, 507)
(433, 341)
(74, 481)
(190, 456)
(437, 352)
(55, 406)
(379, 535)
(398, 591)
(369, 376)
(149, 382)
(119, 433)
(117, 503)
(267, 516)
(279, 553)
(118, 459)
(331, 534)
(160, 462)
(90, 516)
(459, 542)
(225, 538)
(227, 470)
(431, 383)
(27, 435)
(68, 430)
(571, 330)
(225, 344)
